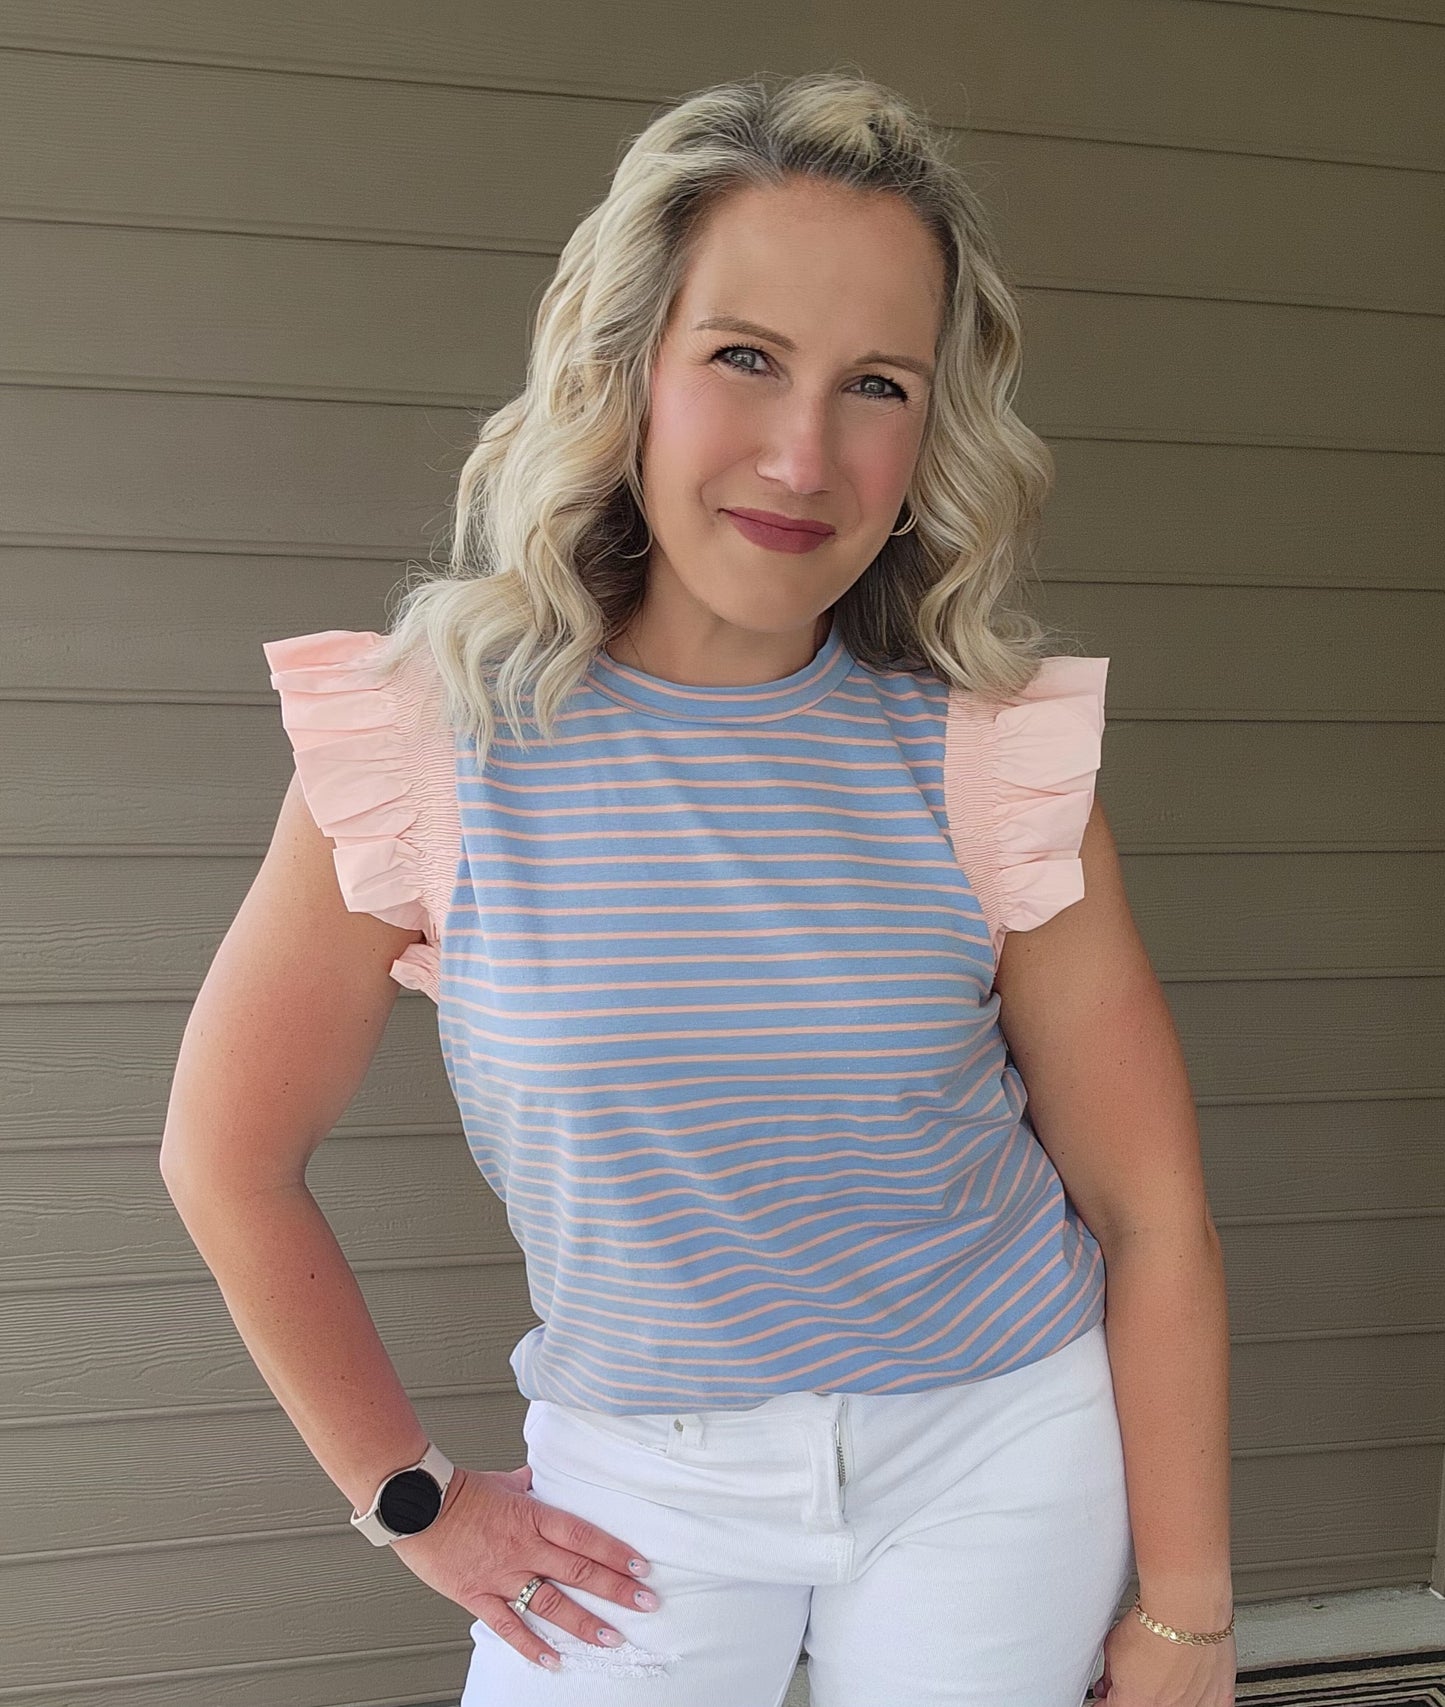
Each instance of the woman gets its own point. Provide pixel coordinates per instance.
(725, 964)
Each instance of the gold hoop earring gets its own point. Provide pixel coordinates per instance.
(912, 520)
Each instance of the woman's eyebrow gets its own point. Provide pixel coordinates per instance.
(729, 323)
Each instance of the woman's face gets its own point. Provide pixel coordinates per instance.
(810, 414)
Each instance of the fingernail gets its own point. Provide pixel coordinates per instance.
(646, 1599)
(551, 1662)
(638, 1567)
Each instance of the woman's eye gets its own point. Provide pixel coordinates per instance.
(752, 349)
(728, 349)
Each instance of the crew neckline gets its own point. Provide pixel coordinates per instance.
(746, 702)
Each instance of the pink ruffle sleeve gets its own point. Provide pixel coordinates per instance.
(376, 765)
(1018, 789)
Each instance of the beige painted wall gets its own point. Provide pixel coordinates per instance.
(259, 271)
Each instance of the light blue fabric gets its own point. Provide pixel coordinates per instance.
(715, 1002)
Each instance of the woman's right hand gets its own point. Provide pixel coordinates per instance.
(492, 1536)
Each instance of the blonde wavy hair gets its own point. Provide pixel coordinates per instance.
(546, 559)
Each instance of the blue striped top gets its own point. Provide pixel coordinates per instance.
(715, 1001)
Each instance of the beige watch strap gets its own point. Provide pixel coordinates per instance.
(380, 1534)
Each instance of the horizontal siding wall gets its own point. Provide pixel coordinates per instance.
(263, 277)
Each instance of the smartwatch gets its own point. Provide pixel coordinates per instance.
(407, 1501)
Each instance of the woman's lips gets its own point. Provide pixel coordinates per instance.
(776, 538)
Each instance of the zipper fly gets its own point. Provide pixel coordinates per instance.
(838, 1448)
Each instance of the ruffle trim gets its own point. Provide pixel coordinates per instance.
(1047, 748)
(361, 781)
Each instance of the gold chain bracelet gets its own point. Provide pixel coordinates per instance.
(1180, 1635)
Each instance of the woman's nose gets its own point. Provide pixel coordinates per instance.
(800, 451)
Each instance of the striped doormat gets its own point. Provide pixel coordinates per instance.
(1405, 1680)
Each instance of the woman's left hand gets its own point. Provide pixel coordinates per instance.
(1144, 1669)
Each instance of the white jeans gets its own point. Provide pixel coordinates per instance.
(974, 1553)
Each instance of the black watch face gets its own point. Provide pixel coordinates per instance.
(409, 1501)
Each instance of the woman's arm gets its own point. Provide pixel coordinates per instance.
(279, 1038)
(1169, 1352)
(1108, 1095)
